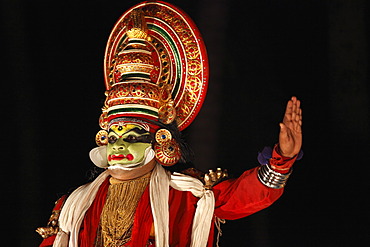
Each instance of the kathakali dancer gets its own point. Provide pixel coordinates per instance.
(156, 74)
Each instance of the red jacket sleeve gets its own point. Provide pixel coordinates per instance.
(280, 163)
(238, 198)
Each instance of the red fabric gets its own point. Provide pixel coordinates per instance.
(143, 221)
(280, 163)
(91, 221)
(235, 198)
(238, 198)
(182, 210)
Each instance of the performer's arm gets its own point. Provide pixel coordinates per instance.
(258, 188)
(238, 198)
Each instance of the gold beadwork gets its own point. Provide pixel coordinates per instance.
(212, 178)
(52, 227)
(118, 213)
(137, 25)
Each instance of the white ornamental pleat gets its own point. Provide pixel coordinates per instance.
(159, 193)
(73, 212)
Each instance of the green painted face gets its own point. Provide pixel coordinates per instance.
(127, 145)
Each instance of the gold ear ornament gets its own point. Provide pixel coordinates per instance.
(163, 136)
(167, 150)
(101, 138)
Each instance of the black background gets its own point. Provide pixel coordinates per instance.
(260, 54)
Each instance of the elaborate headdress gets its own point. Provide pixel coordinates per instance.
(155, 67)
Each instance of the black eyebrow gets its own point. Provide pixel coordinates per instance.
(136, 130)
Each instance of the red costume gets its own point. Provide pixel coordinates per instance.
(235, 199)
(156, 74)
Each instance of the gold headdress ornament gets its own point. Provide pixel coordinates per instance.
(155, 67)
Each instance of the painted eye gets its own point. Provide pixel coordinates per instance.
(112, 139)
(131, 139)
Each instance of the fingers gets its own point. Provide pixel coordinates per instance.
(299, 117)
(296, 105)
(293, 114)
(290, 136)
(296, 114)
(289, 108)
(297, 123)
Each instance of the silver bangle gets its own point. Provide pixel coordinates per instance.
(271, 178)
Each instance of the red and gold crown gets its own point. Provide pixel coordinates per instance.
(155, 66)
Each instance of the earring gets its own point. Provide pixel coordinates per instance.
(101, 138)
(162, 136)
(167, 150)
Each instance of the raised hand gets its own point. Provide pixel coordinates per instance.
(290, 136)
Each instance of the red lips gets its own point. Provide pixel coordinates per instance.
(129, 157)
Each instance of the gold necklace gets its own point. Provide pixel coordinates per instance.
(118, 213)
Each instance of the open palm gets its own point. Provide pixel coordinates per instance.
(290, 136)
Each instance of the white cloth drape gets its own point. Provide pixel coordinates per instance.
(80, 200)
(159, 192)
(73, 212)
